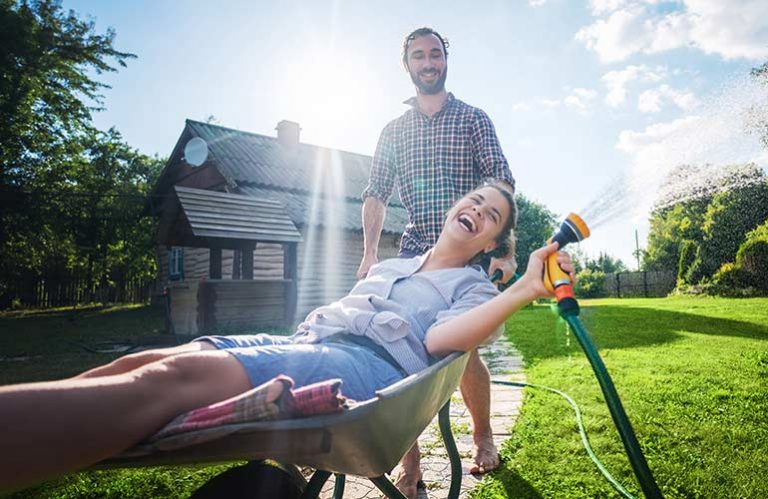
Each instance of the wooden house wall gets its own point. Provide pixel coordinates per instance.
(316, 286)
(196, 262)
(267, 263)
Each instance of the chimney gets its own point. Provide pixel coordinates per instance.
(288, 132)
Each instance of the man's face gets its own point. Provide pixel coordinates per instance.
(427, 65)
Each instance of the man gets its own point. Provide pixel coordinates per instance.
(436, 152)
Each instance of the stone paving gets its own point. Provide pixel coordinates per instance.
(504, 363)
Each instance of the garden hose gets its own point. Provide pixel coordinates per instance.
(574, 229)
(627, 434)
(582, 431)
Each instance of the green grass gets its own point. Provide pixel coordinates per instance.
(692, 373)
(693, 377)
(51, 344)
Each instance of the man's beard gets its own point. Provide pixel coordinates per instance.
(430, 88)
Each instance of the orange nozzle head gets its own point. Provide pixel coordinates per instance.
(579, 225)
(572, 230)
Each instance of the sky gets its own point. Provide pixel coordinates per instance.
(593, 101)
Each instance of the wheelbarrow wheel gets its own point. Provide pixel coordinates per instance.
(254, 479)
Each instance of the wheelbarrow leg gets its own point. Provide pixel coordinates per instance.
(450, 446)
(385, 485)
(338, 488)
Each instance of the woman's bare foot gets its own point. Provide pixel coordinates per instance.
(485, 454)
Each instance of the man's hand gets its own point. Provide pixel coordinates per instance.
(507, 266)
(365, 265)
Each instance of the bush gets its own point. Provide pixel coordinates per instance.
(687, 259)
(732, 280)
(590, 284)
(695, 272)
(753, 256)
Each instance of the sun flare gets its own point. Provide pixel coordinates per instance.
(325, 91)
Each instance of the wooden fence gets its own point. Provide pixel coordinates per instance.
(37, 291)
(640, 284)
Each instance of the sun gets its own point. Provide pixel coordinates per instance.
(326, 90)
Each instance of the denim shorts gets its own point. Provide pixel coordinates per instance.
(265, 356)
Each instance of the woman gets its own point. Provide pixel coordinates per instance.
(396, 321)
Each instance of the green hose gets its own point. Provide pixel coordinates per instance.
(616, 485)
(628, 438)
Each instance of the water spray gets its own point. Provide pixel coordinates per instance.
(574, 229)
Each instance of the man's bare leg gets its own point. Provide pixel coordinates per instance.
(409, 475)
(55, 427)
(476, 391)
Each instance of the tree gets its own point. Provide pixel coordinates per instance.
(729, 217)
(535, 224)
(669, 227)
(71, 196)
(701, 231)
(45, 85)
(605, 263)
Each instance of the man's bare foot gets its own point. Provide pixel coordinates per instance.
(485, 454)
(408, 474)
(408, 484)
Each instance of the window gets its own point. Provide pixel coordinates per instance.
(176, 263)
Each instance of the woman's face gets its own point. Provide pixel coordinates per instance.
(477, 218)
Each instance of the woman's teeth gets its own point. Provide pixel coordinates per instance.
(467, 223)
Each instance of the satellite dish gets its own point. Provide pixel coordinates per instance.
(196, 152)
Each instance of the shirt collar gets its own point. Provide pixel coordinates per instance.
(414, 103)
(417, 262)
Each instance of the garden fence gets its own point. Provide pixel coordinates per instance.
(640, 284)
(41, 291)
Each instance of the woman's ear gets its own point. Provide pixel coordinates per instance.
(491, 248)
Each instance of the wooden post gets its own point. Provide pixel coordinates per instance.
(290, 273)
(618, 285)
(206, 306)
(214, 264)
(645, 283)
(247, 261)
(237, 259)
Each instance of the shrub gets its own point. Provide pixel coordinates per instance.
(695, 272)
(590, 284)
(687, 259)
(753, 256)
(732, 280)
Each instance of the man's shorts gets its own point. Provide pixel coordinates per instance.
(265, 356)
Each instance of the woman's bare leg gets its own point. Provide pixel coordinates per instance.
(50, 428)
(135, 360)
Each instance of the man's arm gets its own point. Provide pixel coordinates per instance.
(487, 150)
(493, 163)
(374, 211)
(380, 185)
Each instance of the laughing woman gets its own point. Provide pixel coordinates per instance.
(399, 319)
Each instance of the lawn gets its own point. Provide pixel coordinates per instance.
(40, 345)
(693, 377)
(692, 373)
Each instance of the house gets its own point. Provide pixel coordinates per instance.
(212, 227)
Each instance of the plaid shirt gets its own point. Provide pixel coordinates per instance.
(434, 161)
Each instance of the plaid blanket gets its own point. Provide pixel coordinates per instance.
(275, 399)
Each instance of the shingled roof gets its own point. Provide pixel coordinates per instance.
(300, 176)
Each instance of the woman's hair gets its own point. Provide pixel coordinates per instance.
(505, 241)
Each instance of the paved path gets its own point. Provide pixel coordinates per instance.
(505, 363)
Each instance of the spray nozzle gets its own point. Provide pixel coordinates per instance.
(572, 230)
